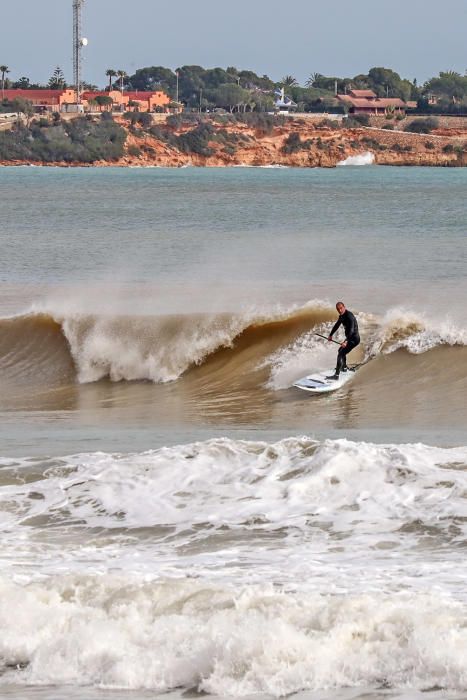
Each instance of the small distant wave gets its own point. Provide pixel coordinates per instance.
(366, 158)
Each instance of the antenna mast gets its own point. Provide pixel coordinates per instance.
(78, 44)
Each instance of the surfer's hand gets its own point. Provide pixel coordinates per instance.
(329, 338)
(344, 344)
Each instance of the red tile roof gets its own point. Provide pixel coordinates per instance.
(34, 94)
(362, 93)
(376, 103)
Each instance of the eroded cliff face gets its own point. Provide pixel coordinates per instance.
(298, 143)
(314, 145)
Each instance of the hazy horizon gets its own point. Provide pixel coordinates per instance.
(416, 39)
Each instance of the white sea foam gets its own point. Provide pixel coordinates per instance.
(366, 158)
(108, 632)
(208, 507)
(236, 568)
(308, 353)
(413, 331)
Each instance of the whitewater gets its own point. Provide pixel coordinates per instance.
(176, 519)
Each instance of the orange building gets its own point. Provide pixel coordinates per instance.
(123, 101)
(44, 100)
(65, 100)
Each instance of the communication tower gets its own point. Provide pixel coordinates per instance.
(78, 42)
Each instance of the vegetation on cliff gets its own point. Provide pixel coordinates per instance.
(81, 140)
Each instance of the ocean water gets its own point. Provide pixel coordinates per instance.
(176, 518)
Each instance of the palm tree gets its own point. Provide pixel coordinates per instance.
(3, 71)
(111, 73)
(314, 77)
(121, 74)
(289, 81)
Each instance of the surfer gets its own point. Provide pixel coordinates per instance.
(352, 337)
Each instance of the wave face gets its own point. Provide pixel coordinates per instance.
(236, 568)
(213, 363)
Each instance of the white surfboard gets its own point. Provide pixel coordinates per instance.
(318, 382)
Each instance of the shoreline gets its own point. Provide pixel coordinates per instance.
(296, 144)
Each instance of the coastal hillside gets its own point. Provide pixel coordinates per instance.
(253, 139)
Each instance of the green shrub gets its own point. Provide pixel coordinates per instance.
(448, 148)
(422, 126)
(429, 145)
(388, 127)
(80, 140)
(293, 143)
(134, 151)
(358, 120)
(197, 140)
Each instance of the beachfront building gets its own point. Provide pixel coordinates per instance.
(65, 100)
(367, 102)
(130, 101)
(44, 100)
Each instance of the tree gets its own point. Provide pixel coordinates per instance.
(110, 73)
(230, 96)
(22, 84)
(448, 84)
(103, 101)
(4, 70)
(57, 80)
(387, 83)
(121, 74)
(289, 81)
(313, 79)
(153, 78)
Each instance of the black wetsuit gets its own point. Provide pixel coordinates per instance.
(348, 320)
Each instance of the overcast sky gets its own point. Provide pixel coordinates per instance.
(417, 38)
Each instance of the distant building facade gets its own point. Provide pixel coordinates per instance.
(44, 100)
(129, 101)
(367, 102)
(65, 100)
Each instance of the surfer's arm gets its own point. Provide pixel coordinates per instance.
(334, 328)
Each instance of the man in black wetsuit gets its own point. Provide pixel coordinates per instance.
(352, 337)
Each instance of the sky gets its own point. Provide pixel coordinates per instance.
(416, 38)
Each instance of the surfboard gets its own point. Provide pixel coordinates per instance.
(317, 383)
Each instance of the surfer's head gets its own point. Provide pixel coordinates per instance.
(340, 306)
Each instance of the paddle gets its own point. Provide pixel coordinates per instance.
(325, 338)
(353, 367)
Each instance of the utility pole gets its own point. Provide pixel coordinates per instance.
(78, 43)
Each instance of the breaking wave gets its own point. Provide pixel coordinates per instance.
(235, 568)
(250, 349)
(366, 158)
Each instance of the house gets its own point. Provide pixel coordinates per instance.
(123, 101)
(65, 100)
(44, 100)
(367, 102)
